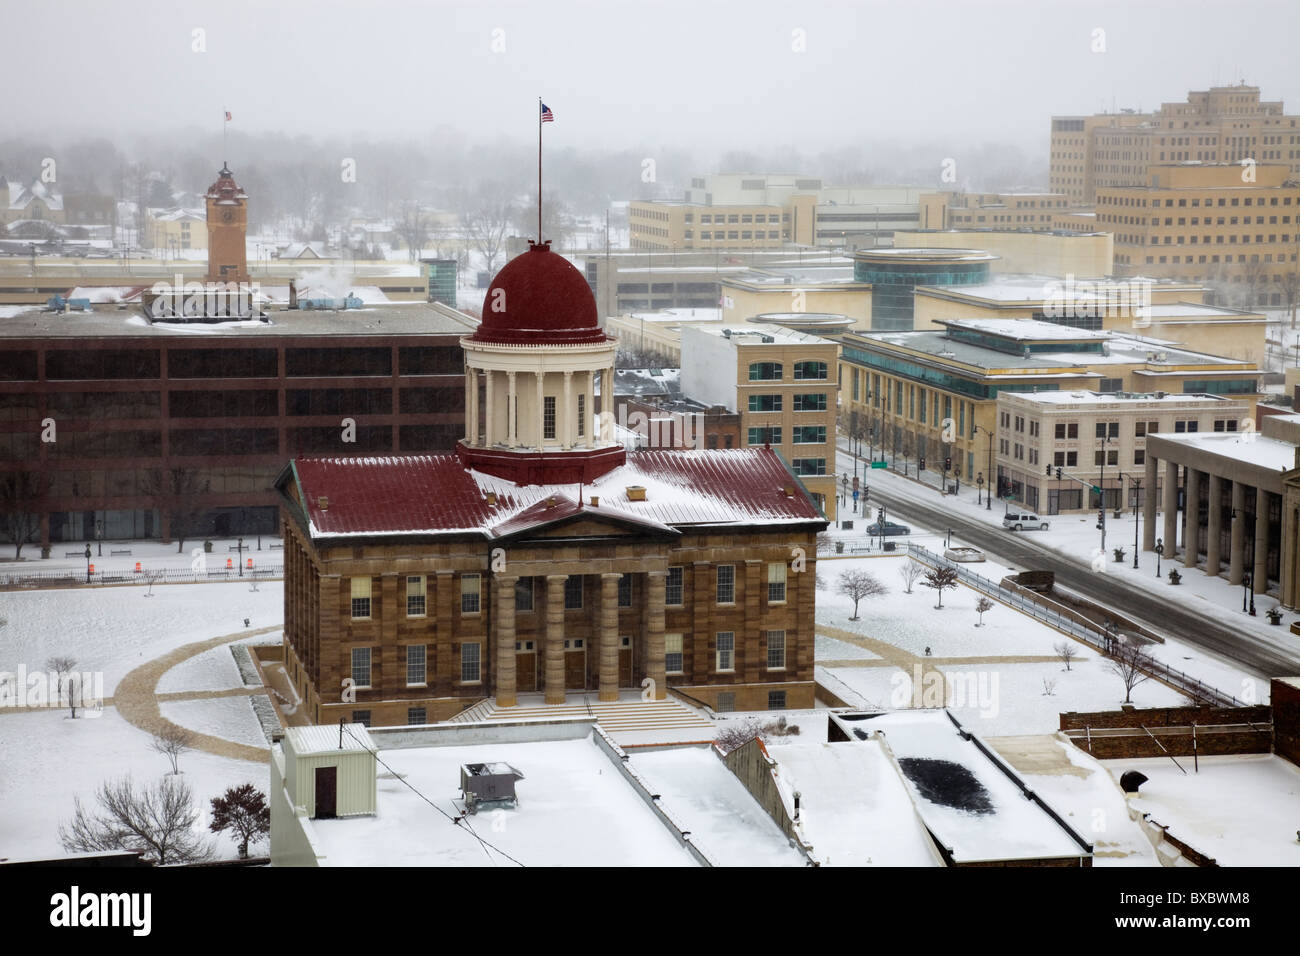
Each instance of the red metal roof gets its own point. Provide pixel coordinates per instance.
(435, 494)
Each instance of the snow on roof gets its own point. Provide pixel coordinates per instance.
(1122, 399)
(1026, 329)
(575, 809)
(321, 739)
(435, 494)
(966, 797)
(1249, 448)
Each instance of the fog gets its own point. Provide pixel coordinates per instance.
(878, 91)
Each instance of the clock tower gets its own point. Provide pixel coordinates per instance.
(227, 228)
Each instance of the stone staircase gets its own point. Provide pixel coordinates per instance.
(629, 715)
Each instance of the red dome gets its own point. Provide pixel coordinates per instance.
(539, 297)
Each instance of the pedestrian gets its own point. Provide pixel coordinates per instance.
(927, 652)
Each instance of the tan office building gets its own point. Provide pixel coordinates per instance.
(1224, 124)
(1083, 252)
(784, 387)
(1233, 226)
(1096, 440)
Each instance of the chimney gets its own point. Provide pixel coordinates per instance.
(323, 503)
(550, 502)
(789, 491)
(293, 294)
(595, 501)
(492, 499)
(636, 493)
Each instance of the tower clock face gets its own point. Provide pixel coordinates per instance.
(227, 216)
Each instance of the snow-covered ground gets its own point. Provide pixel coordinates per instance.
(150, 554)
(999, 692)
(49, 760)
(1241, 810)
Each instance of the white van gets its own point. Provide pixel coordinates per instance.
(1020, 520)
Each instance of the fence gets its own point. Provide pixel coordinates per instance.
(1065, 620)
(69, 577)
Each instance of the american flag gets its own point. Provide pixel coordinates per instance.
(547, 115)
(227, 116)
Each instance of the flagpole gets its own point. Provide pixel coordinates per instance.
(225, 126)
(539, 170)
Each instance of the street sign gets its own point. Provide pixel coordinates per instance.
(1096, 490)
(880, 464)
(855, 494)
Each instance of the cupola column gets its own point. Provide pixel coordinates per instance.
(512, 412)
(568, 420)
(589, 438)
(489, 429)
(541, 410)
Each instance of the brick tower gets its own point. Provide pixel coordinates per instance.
(227, 229)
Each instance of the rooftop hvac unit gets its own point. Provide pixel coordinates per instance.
(1160, 394)
(482, 783)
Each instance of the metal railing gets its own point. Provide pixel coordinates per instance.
(1099, 640)
(71, 577)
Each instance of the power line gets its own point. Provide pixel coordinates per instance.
(454, 821)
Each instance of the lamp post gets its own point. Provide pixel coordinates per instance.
(1160, 549)
(88, 564)
(240, 551)
(989, 496)
(1137, 490)
(979, 495)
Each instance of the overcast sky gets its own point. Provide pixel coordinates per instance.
(701, 74)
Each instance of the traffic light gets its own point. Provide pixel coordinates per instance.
(947, 464)
(1049, 471)
(1101, 518)
(922, 465)
(1058, 474)
(880, 514)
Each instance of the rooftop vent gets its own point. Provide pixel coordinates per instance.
(323, 503)
(488, 783)
(789, 491)
(492, 498)
(550, 502)
(1160, 394)
(595, 501)
(636, 492)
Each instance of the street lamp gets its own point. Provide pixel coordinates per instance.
(1137, 490)
(979, 495)
(1160, 549)
(240, 551)
(980, 428)
(88, 564)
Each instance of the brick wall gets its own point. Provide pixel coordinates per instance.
(1285, 695)
(1219, 730)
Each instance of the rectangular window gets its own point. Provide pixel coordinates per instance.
(524, 594)
(469, 593)
(808, 466)
(809, 370)
(776, 650)
(1139, 457)
(725, 702)
(360, 598)
(764, 436)
(673, 587)
(416, 658)
(361, 666)
(776, 700)
(1071, 459)
(573, 592)
(582, 415)
(765, 371)
(810, 403)
(776, 582)
(469, 663)
(726, 650)
(1139, 429)
(625, 591)
(726, 584)
(810, 434)
(361, 717)
(765, 403)
(548, 417)
(415, 596)
(673, 655)
(415, 716)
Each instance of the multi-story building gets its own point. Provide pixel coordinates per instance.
(1019, 210)
(1095, 440)
(1224, 124)
(543, 555)
(894, 274)
(766, 210)
(784, 385)
(933, 393)
(175, 231)
(1060, 252)
(1235, 227)
(1169, 309)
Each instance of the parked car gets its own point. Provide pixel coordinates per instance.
(890, 528)
(1020, 520)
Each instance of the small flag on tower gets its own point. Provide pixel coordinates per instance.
(547, 115)
(227, 116)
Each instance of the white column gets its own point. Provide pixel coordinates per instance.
(591, 408)
(568, 420)
(512, 419)
(541, 411)
(471, 406)
(489, 426)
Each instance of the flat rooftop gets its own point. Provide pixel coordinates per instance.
(1121, 399)
(750, 336)
(395, 318)
(1249, 448)
(575, 809)
(1029, 288)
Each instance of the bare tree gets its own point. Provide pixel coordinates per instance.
(941, 579)
(982, 606)
(1066, 651)
(486, 223)
(909, 573)
(152, 576)
(1131, 663)
(157, 821)
(171, 742)
(413, 227)
(856, 585)
(1049, 686)
(177, 491)
(19, 518)
(824, 543)
(69, 681)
